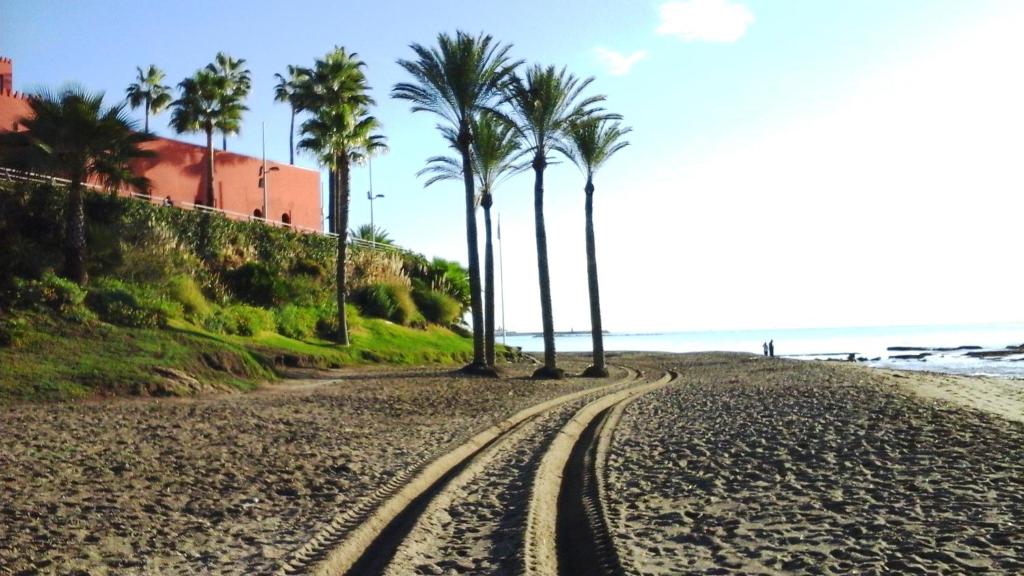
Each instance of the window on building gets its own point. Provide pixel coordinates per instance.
(286, 218)
(257, 213)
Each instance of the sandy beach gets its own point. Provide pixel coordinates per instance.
(738, 465)
(758, 466)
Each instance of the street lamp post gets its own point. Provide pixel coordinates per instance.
(371, 197)
(265, 176)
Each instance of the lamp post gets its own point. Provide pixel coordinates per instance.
(265, 176)
(371, 197)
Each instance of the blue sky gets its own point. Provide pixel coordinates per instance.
(792, 164)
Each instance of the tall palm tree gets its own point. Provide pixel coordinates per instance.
(237, 84)
(201, 108)
(497, 152)
(455, 80)
(544, 102)
(333, 78)
(589, 143)
(341, 132)
(71, 134)
(149, 91)
(290, 89)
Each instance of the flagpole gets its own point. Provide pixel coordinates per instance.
(501, 270)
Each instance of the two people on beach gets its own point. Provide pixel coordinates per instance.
(769, 348)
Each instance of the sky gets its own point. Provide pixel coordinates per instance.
(792, 164)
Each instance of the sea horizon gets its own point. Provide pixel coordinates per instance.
(937, 347)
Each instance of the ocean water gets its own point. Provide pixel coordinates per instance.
(871, 343)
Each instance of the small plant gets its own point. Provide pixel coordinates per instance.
(437, 307)
(185, 291)
(297, 322)
(389, 301)
(241, 320)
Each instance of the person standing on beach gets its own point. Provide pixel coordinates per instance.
(765, 346)
(771, 348)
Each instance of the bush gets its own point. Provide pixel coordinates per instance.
(389, 301)
(437, 307)
(11, 332)
(185, 291)
(51, 291)
(241, 320)
(255, 283)
(296, 321)
(124, 304)
(327, 319)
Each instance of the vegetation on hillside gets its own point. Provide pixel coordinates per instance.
(179, 297)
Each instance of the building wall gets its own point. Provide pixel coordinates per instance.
(178, 172)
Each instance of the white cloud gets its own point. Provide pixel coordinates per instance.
(705, 20)
(619, 64)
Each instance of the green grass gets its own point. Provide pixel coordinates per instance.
(56, 359)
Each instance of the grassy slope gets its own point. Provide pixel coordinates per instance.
(55, 359)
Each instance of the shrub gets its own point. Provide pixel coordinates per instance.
(437, 307)
(389, 301)
(53, 292)
(124, 304)
(296, 321)
(241, 320)
(185, 291)
(327, 319)
(308, 267)
(255, 283)
(11, 332)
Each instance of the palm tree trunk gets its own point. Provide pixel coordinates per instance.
(488, 281)
(550, 369)
(598, 369)
(291, 140)
(332, 197)
(342, 219)
(474, 257)
(224, 141)
(147, 115)
(209, 166)
(74, 262)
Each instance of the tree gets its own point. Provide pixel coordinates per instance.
(455, 80)
(341, 132)
(72, 135)
(496, 153)
(290, 89)
(374, 234)
(201, 107)
(544, 102)
(589, 143)
(148, 91)
(237, 84)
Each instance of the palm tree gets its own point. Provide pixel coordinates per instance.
(237, 83)
(290, 89)
(201, 107)
(374, 234)
(333, 79)
(457, 79)
(71, 134)
(544, 102)
(589, 143)
(147, 90)
(341, 132)
(496, 153)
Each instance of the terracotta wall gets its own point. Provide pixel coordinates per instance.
(178, 172)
